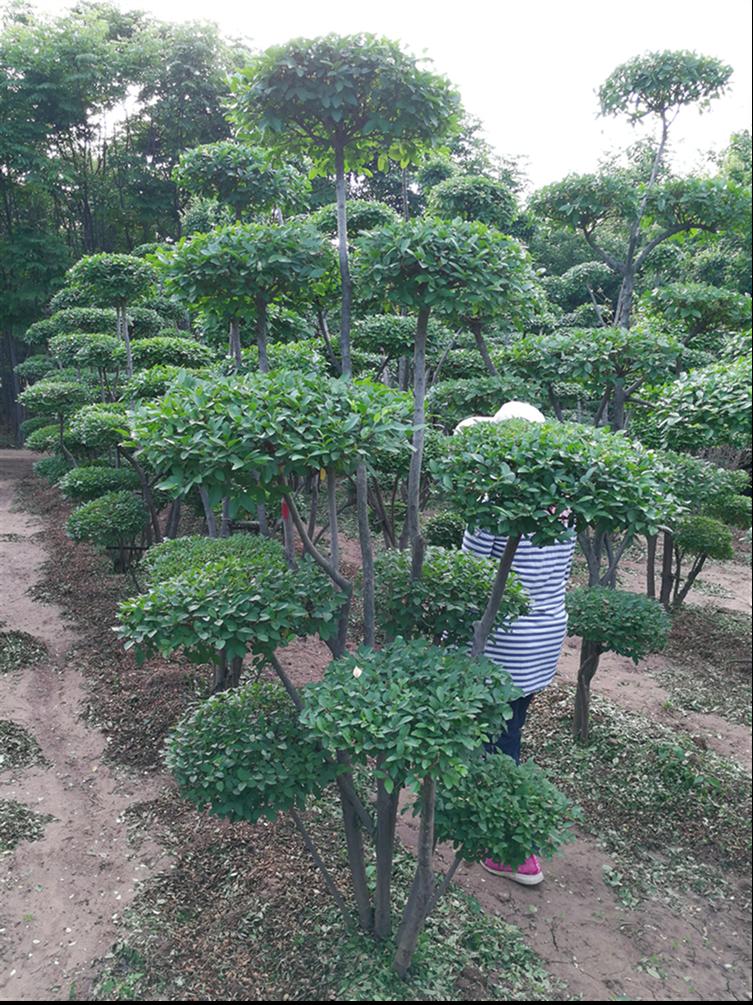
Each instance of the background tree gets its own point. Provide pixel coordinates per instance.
(647, 209)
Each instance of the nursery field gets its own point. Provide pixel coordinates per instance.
(651, 902)
(375, 615)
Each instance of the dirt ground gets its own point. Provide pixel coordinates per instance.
(64, 894)
(61, 896)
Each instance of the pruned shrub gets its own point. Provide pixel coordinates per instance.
(86, 483)
(611, 621)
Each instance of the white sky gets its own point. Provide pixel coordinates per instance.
(528, 70)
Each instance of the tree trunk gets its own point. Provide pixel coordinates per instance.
(419, 900)
(235, 342)
(342, 251)
(208, 513)
(261, 333)
(667, 570)
(590, 654)
(416, 461)
(483, 348)
(387, 805)
(354, 843)
(651, 549)
(483, 627)
(367, 554)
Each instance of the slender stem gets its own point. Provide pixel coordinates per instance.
(419, 900)
(446, 880)
(334, 535)
(329, 882)
(342, 251)
(416, 461)
(483, 627)
(208, 512)
(367, 555)
(387, 806)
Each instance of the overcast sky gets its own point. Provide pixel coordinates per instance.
(528, 70)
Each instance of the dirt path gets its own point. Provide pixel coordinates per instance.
(59, 896)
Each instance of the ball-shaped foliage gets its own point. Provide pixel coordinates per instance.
(85, 483)
(244, 754)
(708, 407)
(240, 435)
(228, 605)
(54, 396)
(444, 603)
(359, 93)
(617, 621)
(516, 477)
(394, 335)
(34, 368)
(418, 708)
(734, 510)
(503, 810)
(113, 280)
(92, 350)
(657, 82)
(101, 426)
(474, 197)
(169, 351)
(445, 529)
(362, 216)
(153, 382)
(460, 270)
(703, 535)
(111, 520)
(240, 176)
(177, 555)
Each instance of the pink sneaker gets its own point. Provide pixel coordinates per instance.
(528, 874)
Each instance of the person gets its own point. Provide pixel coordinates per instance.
(529, 648)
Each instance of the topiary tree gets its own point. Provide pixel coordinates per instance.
(458, 270)
(241, 269)
(255, 438)
(86, 483)
(516, 478)
(57, 398)
(701, 537)
(474, 197)
(241, 177)
(419, 715)
(341, 101)
(701, 488)
(610, 621)
(111, 522)
(224, 601)
(115, 281)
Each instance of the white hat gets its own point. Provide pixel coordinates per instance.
(510, 410)
(519, 410)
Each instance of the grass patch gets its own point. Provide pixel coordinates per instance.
(18, 748)
(244, 916)
(709, 667)
(18, 823)
(19, 649)
(673, 816)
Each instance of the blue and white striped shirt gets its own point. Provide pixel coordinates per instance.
(529, 649)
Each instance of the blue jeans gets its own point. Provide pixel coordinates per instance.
(509, 741)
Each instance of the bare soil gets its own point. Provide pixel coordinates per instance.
(63, 894)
